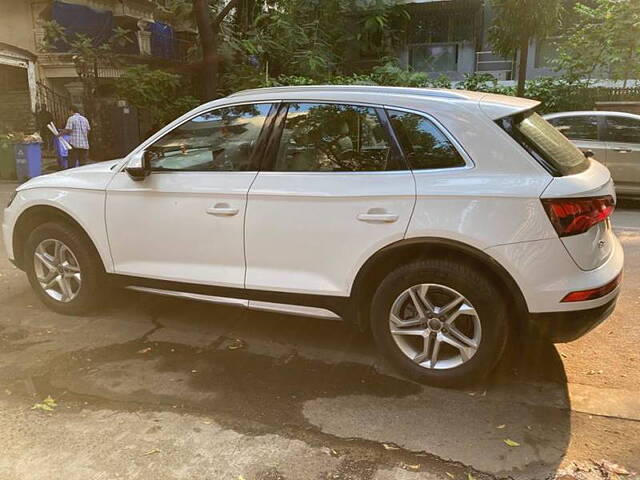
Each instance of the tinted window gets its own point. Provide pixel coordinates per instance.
(545, 143)
(623, 129)
(583, 127)
(220, 140)
(425, 145)
(334, 138)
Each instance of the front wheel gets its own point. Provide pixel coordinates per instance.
(63, 268)
(440, 322)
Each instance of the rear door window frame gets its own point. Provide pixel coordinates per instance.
(270, 155)
(605, 123)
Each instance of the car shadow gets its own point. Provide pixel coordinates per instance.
(323, 382)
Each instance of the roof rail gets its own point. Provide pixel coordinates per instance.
(426, 92)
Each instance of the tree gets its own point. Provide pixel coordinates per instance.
(605, 37)
(209, 31)
(516, 23)
(317, 40)
(160, 93)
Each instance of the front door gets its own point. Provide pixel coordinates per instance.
(185, 221)
(335, 192)
(623, 155)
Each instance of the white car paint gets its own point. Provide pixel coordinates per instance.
(300, 232)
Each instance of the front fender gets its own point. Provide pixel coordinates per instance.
(84, 206)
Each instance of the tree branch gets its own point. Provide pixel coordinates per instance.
(215, 25)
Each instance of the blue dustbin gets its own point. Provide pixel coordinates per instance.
(28, 160)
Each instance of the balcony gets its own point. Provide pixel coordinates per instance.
(491, 63)
(149, 41)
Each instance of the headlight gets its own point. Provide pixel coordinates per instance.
(11, 198)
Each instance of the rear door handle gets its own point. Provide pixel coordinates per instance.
(371, 217)
(222, 210)
(622, 150)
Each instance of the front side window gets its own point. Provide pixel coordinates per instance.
(582, 127)
(424, 144)
(220, 140)
(623, 129)
(545, 143)
(319, 137)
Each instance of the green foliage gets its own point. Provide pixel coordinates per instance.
(81, 45)
(319, 41)
(604, 40)
(159, 92)
(518, 21)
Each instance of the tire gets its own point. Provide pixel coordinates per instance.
(82, 262)
(439, 280)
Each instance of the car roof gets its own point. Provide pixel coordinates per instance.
(495, 106)
(599, 113)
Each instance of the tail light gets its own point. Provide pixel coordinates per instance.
(573, 216)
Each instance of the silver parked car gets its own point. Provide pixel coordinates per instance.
(614, 139)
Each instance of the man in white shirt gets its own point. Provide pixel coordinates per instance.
(78, 128)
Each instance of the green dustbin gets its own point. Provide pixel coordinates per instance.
(7, 162)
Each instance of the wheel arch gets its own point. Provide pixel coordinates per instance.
(36, 215)
(404, 251)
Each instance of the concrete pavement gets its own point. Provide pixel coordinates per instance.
(155, 388)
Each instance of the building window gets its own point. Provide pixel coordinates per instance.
(546, 52)
(434, 58)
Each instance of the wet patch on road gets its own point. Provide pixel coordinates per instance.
(249, 393)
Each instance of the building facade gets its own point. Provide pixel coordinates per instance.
(450, 37)
(36, 75)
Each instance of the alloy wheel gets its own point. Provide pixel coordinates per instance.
(57, 270)
(435, 326)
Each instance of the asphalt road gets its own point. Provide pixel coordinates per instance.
(158, 388)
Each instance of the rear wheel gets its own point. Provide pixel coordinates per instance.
(63, 268)
(440, 322)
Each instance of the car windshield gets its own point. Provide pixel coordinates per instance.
(545, 143)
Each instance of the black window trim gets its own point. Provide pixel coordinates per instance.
(469, 163)
(271, 151)
(256, 156)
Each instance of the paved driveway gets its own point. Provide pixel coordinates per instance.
(155, 388)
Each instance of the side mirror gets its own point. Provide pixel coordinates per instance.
(588, 153)
(139, 166)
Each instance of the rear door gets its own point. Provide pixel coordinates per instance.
(623, 156)
(334, 191)
(585, 131)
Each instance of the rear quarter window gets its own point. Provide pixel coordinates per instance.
(424, 144)
(545, 143)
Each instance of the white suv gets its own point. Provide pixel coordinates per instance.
(444, 220)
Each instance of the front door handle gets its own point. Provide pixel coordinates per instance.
(622, 150)
(375, 215)
(222, 210)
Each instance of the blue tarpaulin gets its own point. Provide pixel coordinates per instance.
(78, 19)
(162, 40)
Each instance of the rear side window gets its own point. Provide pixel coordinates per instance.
(424, 144)
(545, 143)
(582, 127)
(324, 137)
(623, 129)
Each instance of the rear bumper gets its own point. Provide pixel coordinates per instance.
(562, 327)
(545, 273)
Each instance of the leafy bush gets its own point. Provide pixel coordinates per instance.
(159, 92)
